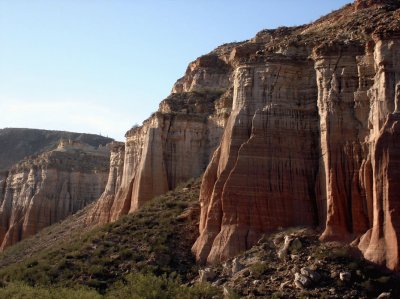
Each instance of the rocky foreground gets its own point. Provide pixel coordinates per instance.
(293, 263)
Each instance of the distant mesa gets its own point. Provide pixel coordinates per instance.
(58, 174)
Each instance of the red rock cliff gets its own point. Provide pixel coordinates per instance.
(298, 126)
(312, 138)
(174, 144)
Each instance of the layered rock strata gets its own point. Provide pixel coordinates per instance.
(44, 189)
(312, 138)
(304, 124)
(174, 144)
(249, 186)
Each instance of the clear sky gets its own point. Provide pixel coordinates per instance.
(101, 66)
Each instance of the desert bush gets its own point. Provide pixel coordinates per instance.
(148, 286)
(144, 242)
(137, 286)
(259, 269)
(19, 290)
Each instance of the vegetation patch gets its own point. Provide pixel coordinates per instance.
(151, 246)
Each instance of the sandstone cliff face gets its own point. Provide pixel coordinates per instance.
(98, 212)
(256, 169)
(312, 138)
(381, 243)
(44, 189)
(304, 123)
(174, 144)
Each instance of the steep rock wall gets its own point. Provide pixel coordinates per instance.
(381, 243)
(261, 181)
(305, 126)
(342, 133)
(114, 182)
(175, 143)
(42, 190)
(312, 137)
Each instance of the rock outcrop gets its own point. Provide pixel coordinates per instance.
(174, 144)
(298, 127)
(43, 189)
(256, 170)
(312, 138)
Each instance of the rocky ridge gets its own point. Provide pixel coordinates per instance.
(297, 126)
(43, 189)
(18, 143)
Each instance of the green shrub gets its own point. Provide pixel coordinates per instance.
(20, 290)
(259, 269)
(148, 286)
(202, 291)
(277, 295)
(144, 242)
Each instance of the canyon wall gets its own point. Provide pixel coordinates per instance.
(295, 127)
(312, 138)
(174, 144)
(43, 189)
(249, 186)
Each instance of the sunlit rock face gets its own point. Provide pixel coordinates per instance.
(259, 180)
(381, 242)
(312, 137)
(98, 213)
(297, 126)
(44, 189)
(174, 144)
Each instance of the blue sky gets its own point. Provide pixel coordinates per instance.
(101, 66)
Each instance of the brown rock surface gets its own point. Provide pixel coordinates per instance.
(381, 243)
(312, 136)
(343, 127)
(44, 189)
(306, 123)
(97, 213)
(174, 144)
(261, 181)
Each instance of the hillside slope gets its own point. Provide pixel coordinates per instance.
(147, 255)
(155, 240)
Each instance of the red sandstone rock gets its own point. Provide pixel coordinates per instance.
(381, 243)
(257, 180)
(321, 151)
(312, 138)
(174, 144)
